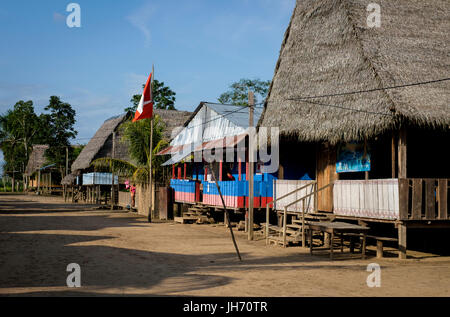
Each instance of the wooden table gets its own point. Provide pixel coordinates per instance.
(337, 228)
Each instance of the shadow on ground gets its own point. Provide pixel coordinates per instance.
(39, 261)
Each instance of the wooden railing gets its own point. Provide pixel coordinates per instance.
(314, 192)
(423, 199)
(312, 183)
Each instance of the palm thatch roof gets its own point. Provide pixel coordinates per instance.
(328, 48)
(69, 179)
(173, 120)
(101, 144)
(37, 159)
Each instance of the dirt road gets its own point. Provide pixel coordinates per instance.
(120, 253)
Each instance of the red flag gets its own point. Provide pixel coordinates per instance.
(145, 107)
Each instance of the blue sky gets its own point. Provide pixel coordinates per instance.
(198, 48)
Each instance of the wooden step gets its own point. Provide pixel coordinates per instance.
(293, 232)
(280, 239)
(294, 226)
(185, 219)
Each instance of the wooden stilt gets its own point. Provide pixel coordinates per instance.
(402, 241)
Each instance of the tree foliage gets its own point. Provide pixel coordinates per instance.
(137, 136)
(163, 96)
(61, 121)
(238, 92)
(21, 128)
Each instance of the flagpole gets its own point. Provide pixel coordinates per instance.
(151, 153)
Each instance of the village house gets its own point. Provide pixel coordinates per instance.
(86, 184)
(364, 114)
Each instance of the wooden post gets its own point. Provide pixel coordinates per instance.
(220, 170)
(379, 249)
(402, 241)
(280, 172)
(113, 192)
(316, 204)
(402, 172)
(39, 181)
(284, 226)
(303, 223)
(240, 169)
(331, 244)
(393, 161)
(366, 173)
(442, 198)
(184, 171)
(251, 159)
(150, 174)
(67, 161)
(267, 224)
(173, 171)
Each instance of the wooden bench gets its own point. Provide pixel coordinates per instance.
(379, 240)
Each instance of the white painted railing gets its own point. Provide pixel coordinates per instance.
(282, 187)
(378, 198)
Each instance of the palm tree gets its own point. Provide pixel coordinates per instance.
(137, 135)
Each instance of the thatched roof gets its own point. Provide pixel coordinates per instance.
(328, 48)
(100, 144)
(173, 119)
(37, 159)
(68, 179)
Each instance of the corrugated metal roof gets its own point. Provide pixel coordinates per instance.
(213, 122)
(237, 114)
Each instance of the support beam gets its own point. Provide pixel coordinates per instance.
(393, 156)
(240, 169)
(251, 159)
(402, 241)
(402, 153)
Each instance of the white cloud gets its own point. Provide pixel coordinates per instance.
(141, 18)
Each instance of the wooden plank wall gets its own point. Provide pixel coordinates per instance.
(326, 174)
(424, 199)
(378, 198)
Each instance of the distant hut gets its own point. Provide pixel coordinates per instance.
(342, 122)
(39, 171)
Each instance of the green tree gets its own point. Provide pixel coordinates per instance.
(163, 96)
(137, 136)
(20, 128)
(61, 121)
(238, 92)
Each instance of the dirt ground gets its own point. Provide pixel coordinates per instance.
(121, 254)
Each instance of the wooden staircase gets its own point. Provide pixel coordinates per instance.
(293, 230)
(196, 214)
